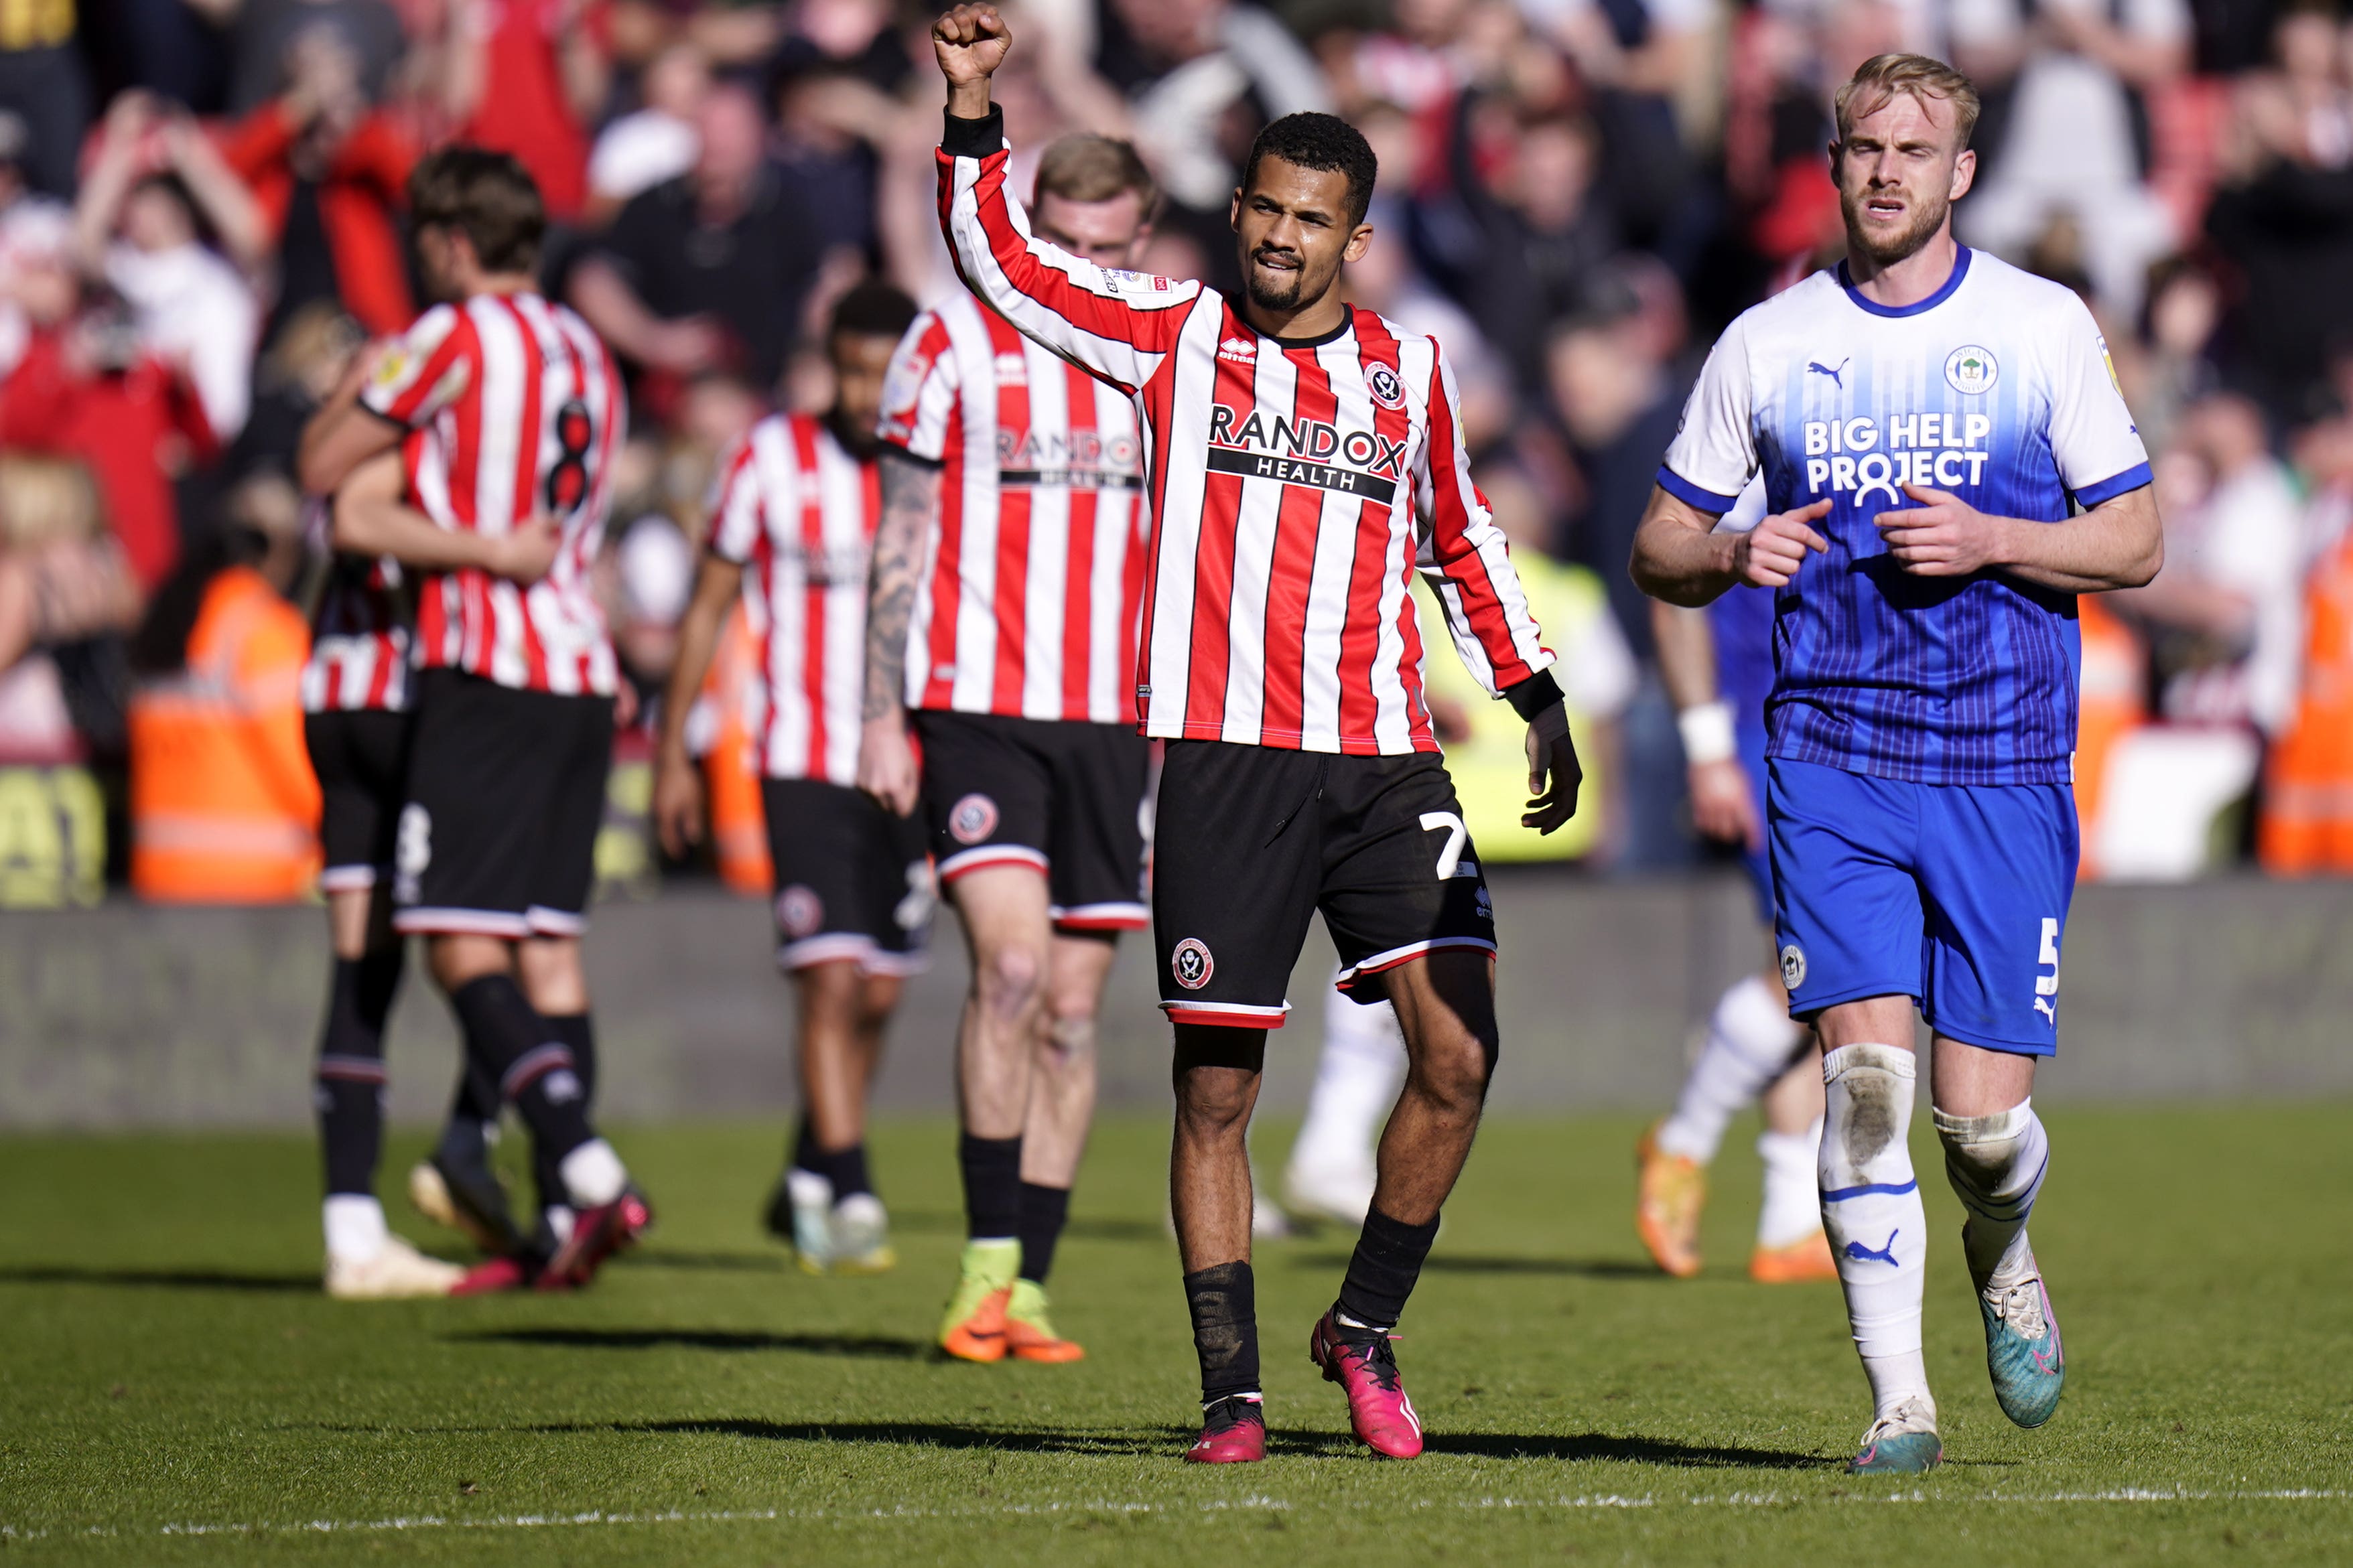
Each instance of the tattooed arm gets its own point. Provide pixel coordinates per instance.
(910, 494)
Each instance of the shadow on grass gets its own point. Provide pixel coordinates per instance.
(1504, 1263)
(721, 1262)
(163, 1278)
(881, 1347)
(1596, 1445)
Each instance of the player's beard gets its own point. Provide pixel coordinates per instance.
(1928, 217)
(1268, 297)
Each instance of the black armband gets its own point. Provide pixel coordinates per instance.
(962, 138)
(1534, 695)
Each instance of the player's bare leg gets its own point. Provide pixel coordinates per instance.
(534, 1069)
(365, 1260)
(1792, 1246)
(826, 1202)
(1009, 937)
(1054, 1134)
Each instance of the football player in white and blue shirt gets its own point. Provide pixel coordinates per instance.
(1947, 463)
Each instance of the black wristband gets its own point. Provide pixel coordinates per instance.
(1534, 695)
(962, 138)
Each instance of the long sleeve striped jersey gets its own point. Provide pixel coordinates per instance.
(1294, 487)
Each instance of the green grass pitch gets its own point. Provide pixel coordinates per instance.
(175, 1390)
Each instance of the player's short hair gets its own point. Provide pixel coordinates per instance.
(487, 196)
(1325, 142)
(873, 310)
(1882, 77)
(1090, 168)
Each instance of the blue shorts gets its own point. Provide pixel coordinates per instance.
(1954, 895)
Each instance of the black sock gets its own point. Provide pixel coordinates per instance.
(1044, 1211)
(992, 1186)
(350, 1073)
(517, 1050)
(1224, 1304)
(844, 1169)
(473, 1112)
(1382, 1272)
(578, 1036)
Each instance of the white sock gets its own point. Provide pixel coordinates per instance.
(1996, 1164)
(355, 1227)
(1792, 1210)
(1750, 1038)
(1872, 1208)
(594, 1175)
(1357, 1080)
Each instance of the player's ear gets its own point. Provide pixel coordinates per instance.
(1964, 172)
(1358, 243)
(1234, 216)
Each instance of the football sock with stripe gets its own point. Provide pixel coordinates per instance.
(992, 1186)
(1871, 1209)
(1750, 1038)
(1383, 1271)
(533, 1068)
(1223, 1300)
(1044, 1211)
(350, 1073)
(578, 1034)
(1792, 1209)
(1996, 1164)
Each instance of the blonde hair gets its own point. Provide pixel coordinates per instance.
(1085, 167)
(1882, 77)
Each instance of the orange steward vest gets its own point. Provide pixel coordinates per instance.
(2307, 825)
(224, 806)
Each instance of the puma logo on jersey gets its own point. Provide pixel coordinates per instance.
(1837, 376)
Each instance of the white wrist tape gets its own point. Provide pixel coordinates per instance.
(1707, 733)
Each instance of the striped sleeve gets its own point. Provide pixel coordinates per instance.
(919, 391)
(1463, 555)
(428, 369)
(737, 522)
(1116, 325)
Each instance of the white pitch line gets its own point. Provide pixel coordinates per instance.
(771, 1515)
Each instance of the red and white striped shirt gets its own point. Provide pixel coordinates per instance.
(798, 512)
(360, 630)
(1030, 603)
(519, 408)
(1296, 487)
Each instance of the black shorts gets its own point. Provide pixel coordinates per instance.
(361, 758)
(1253, 842)
(1066, 796)
(505, 798)
(853, 880)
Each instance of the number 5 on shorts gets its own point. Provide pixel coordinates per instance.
(1451, 863)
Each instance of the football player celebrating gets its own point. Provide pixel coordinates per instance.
(792, 523)
(1007, 580)
(1304, 458)
(1947, 463)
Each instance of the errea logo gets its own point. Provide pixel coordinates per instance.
(1239, 350)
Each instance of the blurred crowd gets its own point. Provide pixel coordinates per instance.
(201, 219)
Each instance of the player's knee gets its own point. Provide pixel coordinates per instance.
(1070, 1033)
(1213, 1104)
(1867, 1115)
(1010, 979)
(1990, 1159)
(1455, 1071)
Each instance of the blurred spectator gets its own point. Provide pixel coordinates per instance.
(2067, 130)
(224, 808)
(63, 590)
(2225, 615)
(44, 85)
(525, 77)
(329, 173)
(2167, 368)
(2283, 218)
(708, 270)
(1646, 68)
(263, 34)
(1386, 282)
(36, 235)
(86, 388)
(638, 151)
(1538, 237)
(153, 179)
(1619, 401)
(1202, 76)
